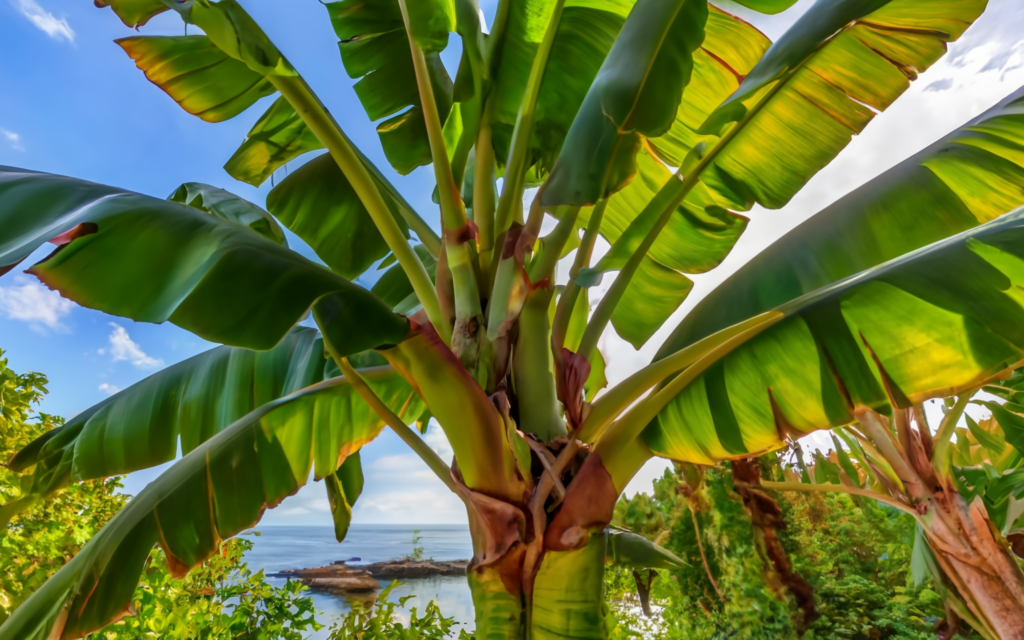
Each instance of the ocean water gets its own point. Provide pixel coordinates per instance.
(280, 548)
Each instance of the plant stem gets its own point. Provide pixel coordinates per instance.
(567, 301)
(453, 213)
(543, 264)
(410, 437)
(515, 168)
(834, 488)
(483, 187)
(677, 188)
(941, 441)
(316, 117)
(621, 396)
(629, 426)
(704, 558)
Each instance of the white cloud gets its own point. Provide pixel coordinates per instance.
(122, 347)
(31, 302)
(56, 28)
(13, 138)
(109, 389)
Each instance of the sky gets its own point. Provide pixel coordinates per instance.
(73, 103)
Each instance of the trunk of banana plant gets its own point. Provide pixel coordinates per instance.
(563, 599)
(538, 571)
(978, 562)
(968, 547)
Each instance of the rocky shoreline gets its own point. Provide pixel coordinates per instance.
(340, 578)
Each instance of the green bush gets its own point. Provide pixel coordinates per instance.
(220, 600)
(855, 553)
(382, 621)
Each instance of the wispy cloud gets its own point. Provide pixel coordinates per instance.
(109, 389)
(122, 347)
(29, 301)
(56, 28)
(13, 139)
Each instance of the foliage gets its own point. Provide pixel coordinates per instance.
(592, 101)
(382, 621)
(417, 548)
(854, 552)
(221, 600)
(40, 540)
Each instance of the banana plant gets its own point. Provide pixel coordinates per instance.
(655, 124)
(962, 484)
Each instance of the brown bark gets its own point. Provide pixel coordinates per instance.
(766, 516)
(978, 562)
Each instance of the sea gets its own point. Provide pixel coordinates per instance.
(278, 547)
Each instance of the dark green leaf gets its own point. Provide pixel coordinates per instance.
(636, 93)
(140, 427)
(394, 287)
(228, 206)
(153, 261)
(218, 490)
(343, 488)
(375, 48)
(320, 206)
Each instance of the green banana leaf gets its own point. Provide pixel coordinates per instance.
(586, 31)
(375, 48)
(141, 426)
(971, 176)
(932, 323)
(394, 287)
(204, 80)
(320, 206)
(152, 260)
(343, 489)
(770, 7)
(226, 205)
(636, 93)
(795, 109)
(134, 13)
(629, 549)
(278, 136)
(817, 87)
(218, 490)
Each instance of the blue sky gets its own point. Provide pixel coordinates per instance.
(73, 103)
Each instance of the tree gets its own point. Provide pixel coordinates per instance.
(41, 539)
(902, 291)
(854, 552)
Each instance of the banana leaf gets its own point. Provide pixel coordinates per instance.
(929, 324)
(969, 177)
(152, 260)
(214, 492)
